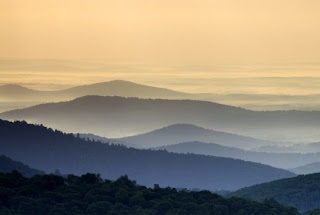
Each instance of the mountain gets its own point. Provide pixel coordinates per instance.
(179, 133)
(104, 139)
(302, 192)
(13, 96)
(20, 97)
(9, 91)
(293, 148)
(89, 194)
(7, 165)
(48, 150)
(122, 88)
(307, 169)
(280, 160)
(111, 88)
(119, 117)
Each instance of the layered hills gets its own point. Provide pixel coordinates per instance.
(302, 192)
(118, 116)
(48, 150)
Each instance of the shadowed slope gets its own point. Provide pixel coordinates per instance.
(49, 150)
(179, 133)
(280, 160)
(301, 192)
(118, 116)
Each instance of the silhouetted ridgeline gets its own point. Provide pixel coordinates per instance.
(117, 116)
(280, 160)
(179, 133)
(89, 194)
(8, 165)
(302, 192)
(19, 95)
(48, 150)
(307, 169)
(111, 88)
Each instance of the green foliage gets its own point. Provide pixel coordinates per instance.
(302, 192)
(89, 194)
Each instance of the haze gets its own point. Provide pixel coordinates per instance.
(250, 47)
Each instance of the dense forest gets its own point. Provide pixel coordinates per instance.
(89, 194)
(46, 149)
(302, 192)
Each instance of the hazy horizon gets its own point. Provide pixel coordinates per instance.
(277, 79)
(179, 95)
(219, 47)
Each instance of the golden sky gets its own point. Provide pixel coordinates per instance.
(162, 31)
(215, 46)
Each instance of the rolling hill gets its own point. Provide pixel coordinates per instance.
(119, 117)
(293, 148)
(179, 133)
(20, 97)
(7, 165)
(14, 92)
(90, 195)
(307, 169)
(302, 192)
(111, 88)
(48, 150)
(14, 96)
(280, 160)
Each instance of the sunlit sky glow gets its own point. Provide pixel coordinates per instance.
(217, 46)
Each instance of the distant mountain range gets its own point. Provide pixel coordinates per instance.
(301, 192)
(48, 150)
(293, 148)
(179, 133)
(7, 165)
(118, 116)
(280, 160)
(307, 169)
(111, 88)
(14, 96)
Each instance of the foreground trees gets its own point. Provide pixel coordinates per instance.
(89, 194)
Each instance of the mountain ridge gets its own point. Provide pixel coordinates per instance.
(182, 132)
(126, 88)
(8, 165)
(301, 192)
(279, 160)
(114, 116)
(39, 147)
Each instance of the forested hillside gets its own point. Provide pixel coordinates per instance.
(302, 192)
(48, 150)
(89, 194)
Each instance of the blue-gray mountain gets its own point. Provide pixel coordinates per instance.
(179, 133)
(307, 169)
(48, 150)
(7, 165)
(280, 160)
(117, 116)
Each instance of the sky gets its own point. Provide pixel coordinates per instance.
(188, 45)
